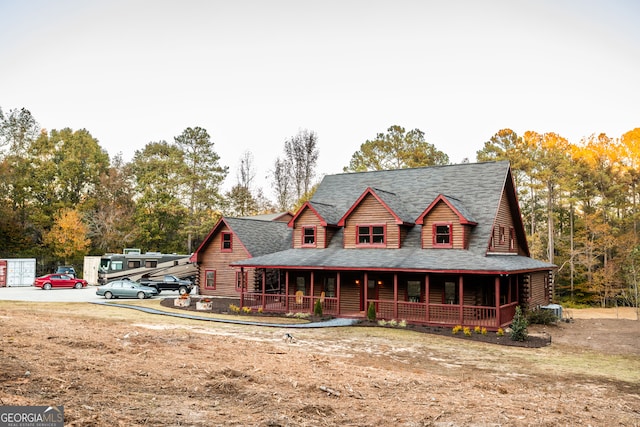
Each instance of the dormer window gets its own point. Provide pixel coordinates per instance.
(227, 242)
(512, 239)
(442, 235)
(371, 234)
(309, 236)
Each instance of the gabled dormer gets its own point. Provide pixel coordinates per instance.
(446, 224)
(313, 225)
(507, 234)
(375, 220)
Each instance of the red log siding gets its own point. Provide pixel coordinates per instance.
(371, 211)
(504, 220)
(213, 259)
(386, 292)
(436, 294)
(309, 219)
(350, 298)
(539, 295)
(442, 213)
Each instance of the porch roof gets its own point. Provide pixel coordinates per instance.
(403, 259)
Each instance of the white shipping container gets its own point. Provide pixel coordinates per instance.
(90, 269)
(21, 271)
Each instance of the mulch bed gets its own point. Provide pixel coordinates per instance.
(221, 306)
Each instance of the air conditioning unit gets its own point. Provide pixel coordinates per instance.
(555, 308)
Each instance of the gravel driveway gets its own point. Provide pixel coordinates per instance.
(31, 293)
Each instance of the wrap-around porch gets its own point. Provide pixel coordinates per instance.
(439, 299)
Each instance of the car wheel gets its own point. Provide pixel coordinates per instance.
(78, 285)
(141, 295)
(46, 286)
(182, 290)
(108, 295)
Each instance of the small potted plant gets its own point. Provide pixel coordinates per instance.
(183, 301)
(204, 304)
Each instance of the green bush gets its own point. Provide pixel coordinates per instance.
(519, 326)
(542, 317)
(371, 312)
(317, 308)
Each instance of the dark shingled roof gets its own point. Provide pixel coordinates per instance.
(261, 237)
(406, 259)
(328, 212)
(459, 206)
(396, 204)
(474, 189)
(477, 186)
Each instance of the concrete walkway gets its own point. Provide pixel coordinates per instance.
(328, 324)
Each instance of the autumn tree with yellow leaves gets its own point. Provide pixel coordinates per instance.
(579, 204)
(67, 238)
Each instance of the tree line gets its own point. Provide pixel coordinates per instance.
(579, 204)
(64, 198)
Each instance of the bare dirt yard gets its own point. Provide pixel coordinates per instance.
(112, 366)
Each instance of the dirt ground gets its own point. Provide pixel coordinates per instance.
(111, 366)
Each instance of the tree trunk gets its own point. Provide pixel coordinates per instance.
(571, 242)
(550, 225)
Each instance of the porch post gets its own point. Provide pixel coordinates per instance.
(395, 295)
(338, 291)
(286, 291)
(241, 292)
(264, 288)
(312, 293)
(461, 292)
(365, 291)
(426, 296)
(497, 292)
(509, 293)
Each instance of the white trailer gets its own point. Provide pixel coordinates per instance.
(21, 271)
(90, 269)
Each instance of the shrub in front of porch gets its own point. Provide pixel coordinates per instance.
(371, 312)
(519, 326)
(317, 308)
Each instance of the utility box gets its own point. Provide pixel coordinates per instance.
(20, 271)
(90, 269)
(3, 273)
(555, 308)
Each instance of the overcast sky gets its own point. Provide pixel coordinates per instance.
(253, 73)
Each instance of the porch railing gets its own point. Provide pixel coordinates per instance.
(288, 303)
(507, 311)
(441, 314)
(445, 314)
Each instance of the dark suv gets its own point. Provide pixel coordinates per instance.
(66, 269)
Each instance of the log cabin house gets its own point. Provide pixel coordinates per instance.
(442, 245)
